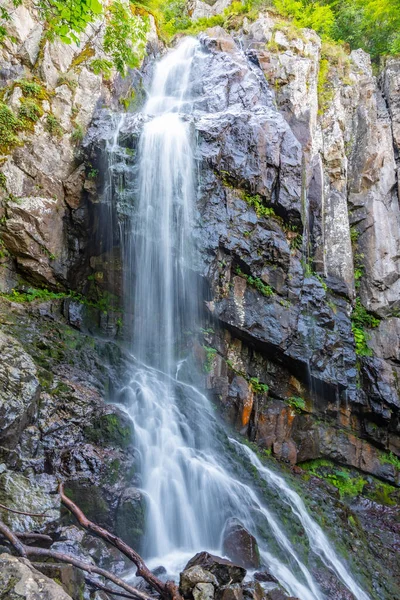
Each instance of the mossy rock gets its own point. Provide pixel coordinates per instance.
(92, 500)
(111, 429)
(131, 517)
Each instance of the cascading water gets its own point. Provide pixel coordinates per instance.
(189, 467)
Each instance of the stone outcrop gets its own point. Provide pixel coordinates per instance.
(18, 579)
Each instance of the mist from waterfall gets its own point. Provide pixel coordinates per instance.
(189, 468)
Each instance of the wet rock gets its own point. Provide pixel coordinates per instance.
(192, 576)
(264, 576)
(239, 545)
(225, 571)
(159, 571)
(71, 579)
(130, 517)
(230, 592)
(19, 579)
(203, 591)
(112, 427)
(34, 495)
(19, 389)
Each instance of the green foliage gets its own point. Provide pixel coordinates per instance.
(29, 113)
(3, 181)
(361, 319)
(324, 87)
(254, 382)
(373, 25)
(258, 284)
(32, 89)
(210, 354)
(354, 235)
(78, 134)
(65, 80)
(9, 128)
(67, 19)
(175, 16)
(308, 14)
(125, 36)
(297, 403)
(390, 459)
(33, 294)
(53, 126)
(256, 203)
(340, 478)
(257, 387)
(101, 66)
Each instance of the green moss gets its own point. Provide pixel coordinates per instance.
(90, 499)
(109, 429)
(86, 53)
(338, 477)
(256, 203)
(297, 403)
(209, 359)
(324, 86)
(254, 382)
(10, 125)
(78, 134)
(68, 81)
(390, 459)
(257, 387)
(53, 126)
(360, 320)
(32, 89)
(29, 113)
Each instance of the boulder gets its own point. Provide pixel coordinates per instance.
(240, 546)
(230, 592)
(225, 571)
(194, 575)
(19, 580)
(203, 591)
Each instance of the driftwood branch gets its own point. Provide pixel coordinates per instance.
(38, 537)
(168, 590)
(42, 515)
(26, 551)
(107, 589)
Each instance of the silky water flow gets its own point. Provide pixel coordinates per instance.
(193, 476)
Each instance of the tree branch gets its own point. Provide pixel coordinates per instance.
(168, 590)
(106, 589)
(42, 515)
(26, 551)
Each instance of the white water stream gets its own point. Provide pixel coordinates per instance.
(189, 467)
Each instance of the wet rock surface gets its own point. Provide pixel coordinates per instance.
(239, 545)
(18, 579)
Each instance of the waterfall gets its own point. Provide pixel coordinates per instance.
(189, 468)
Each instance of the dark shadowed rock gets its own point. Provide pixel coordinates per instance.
(224, 570)
(239, 545)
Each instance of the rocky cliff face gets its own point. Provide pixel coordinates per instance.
(298, 236)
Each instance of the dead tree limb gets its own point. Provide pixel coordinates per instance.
(106, 589)
(168, 590)
(38, 537)
(42, 515)
(26, 551)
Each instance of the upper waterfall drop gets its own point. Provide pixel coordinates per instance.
(189, 469)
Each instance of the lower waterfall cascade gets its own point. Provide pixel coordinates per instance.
(188, 464)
